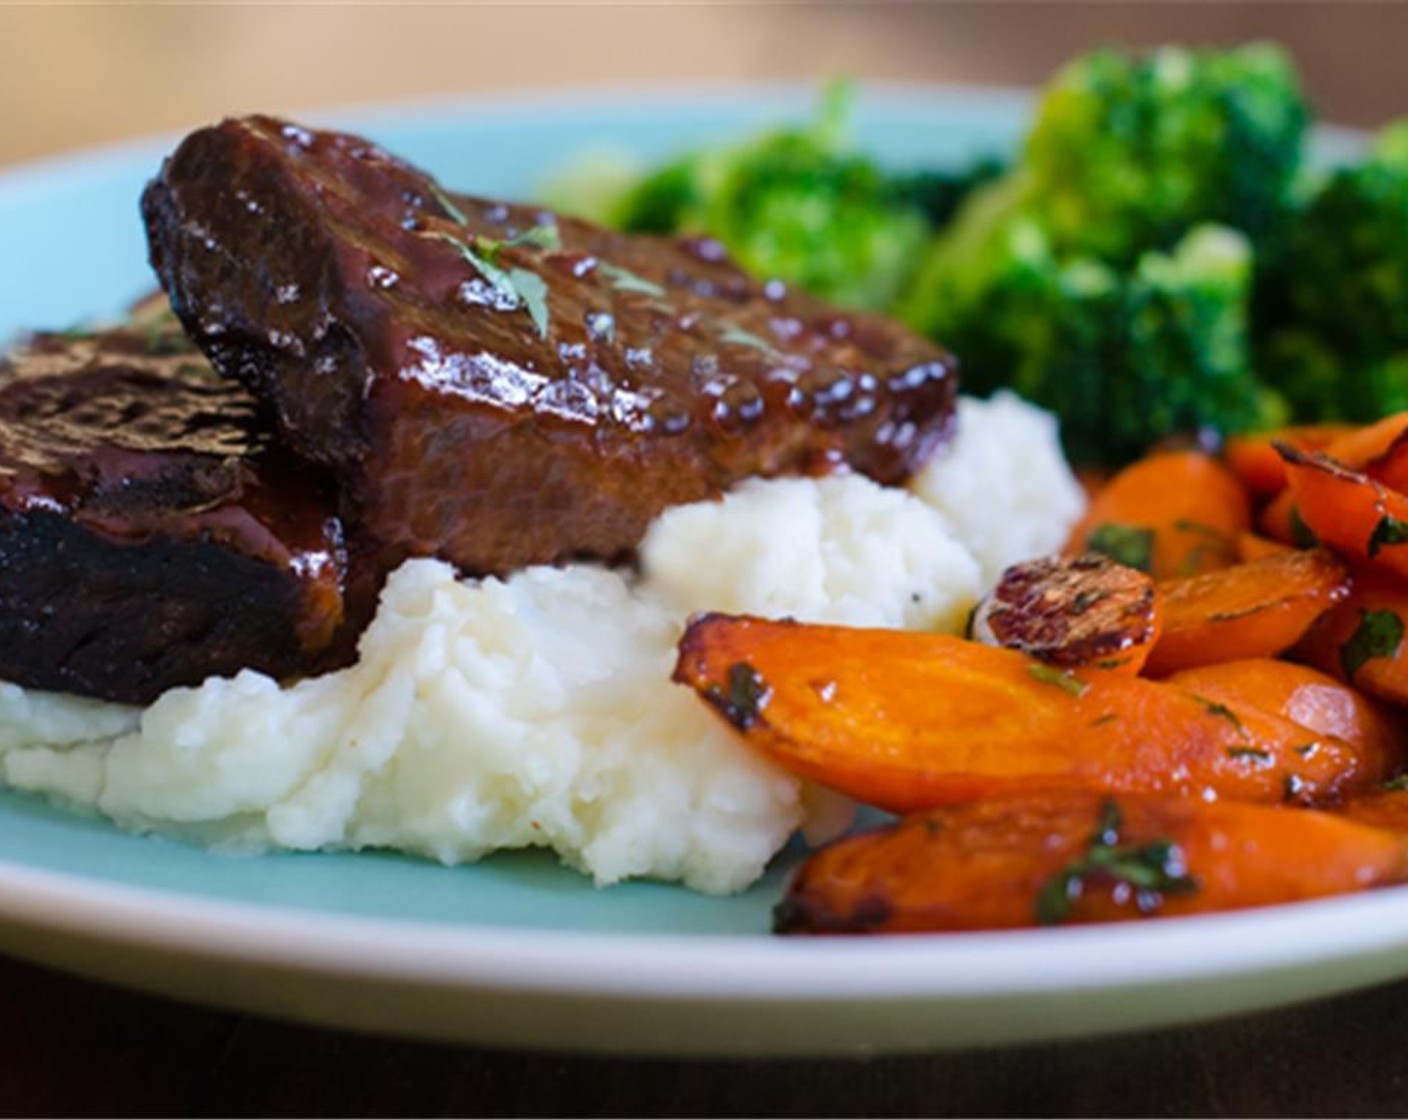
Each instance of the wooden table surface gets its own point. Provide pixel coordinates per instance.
(80, 74)
(75, 1048)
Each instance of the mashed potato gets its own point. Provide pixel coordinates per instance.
(536, 711)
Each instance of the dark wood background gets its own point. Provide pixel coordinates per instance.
(74, 1048)
(80, 74)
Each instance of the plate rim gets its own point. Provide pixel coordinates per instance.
(742, 968)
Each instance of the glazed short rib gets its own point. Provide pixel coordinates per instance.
(497, 385)
(151, 532)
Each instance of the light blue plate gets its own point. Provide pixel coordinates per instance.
(517, 950)
(73, 241)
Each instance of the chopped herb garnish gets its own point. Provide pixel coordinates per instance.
(1086, 599)
(518, 286)
(1388, 532)
(1293, 786)
(1124, 544)
(732, 335)
(1065, 681)
(1233, 616)
(1302, 535)
(1185, 525)
(533, 291)
(1256, 754)
(1221, 711)
(1396, 785)
(1379, 634)
(1153, 870)
(454, 212)
(486, 268)
(1100, 721)
(746, 696)
(624, 280)
(539, 237)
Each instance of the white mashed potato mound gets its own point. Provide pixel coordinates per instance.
(1003, 486)
(536, 711)
(840, 550)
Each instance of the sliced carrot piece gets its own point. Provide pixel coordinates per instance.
(1092, 480)
(1251, 546)
(1173, 514)
(1362, 639)
(1315, 700)
(1081, 856)
(910, 721)
(1391, 467)
(1357, 516)
(1281, 521)
(1073, 611)
(1385, 807)
(1255, 462)
(1364, 446)
(1256, 609)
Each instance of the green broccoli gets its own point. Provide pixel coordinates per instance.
(793, 204)
(1187, 366)
(1108, 274)
(939, 193)
(1124, 358)
(1334, 313)
(1128, 153)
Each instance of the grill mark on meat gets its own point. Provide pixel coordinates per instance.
(349, 293)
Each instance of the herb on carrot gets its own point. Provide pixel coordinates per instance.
(1380, 633)
(1152, 870)
(746, 696)
(1124, 544)
(1302, 535)
(1067, 682)
(1389, 531)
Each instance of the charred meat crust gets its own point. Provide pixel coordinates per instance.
(499, 386)
(152, 533)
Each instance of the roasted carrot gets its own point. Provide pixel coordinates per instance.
(1092, 480)
(1255, 462)
(1047, 857)
(1172, 515)
(909, 721)
(1281, 522)
(1306, 696)
(1361, 639)
(1391, 466)
(1385, 807)
(1256, 609)
(1073, 611)
(1358, 516)
(1365, 447)
(1250, 546)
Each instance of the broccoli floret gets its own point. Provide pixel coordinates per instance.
(1128, 153)
(660, 202)
(1188, 367)
(792, 204)
(939, 194)
(1108, 274)
(1125, 357)
(1334, 315)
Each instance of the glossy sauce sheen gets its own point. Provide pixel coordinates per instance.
(151, 531)
(332, 279)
